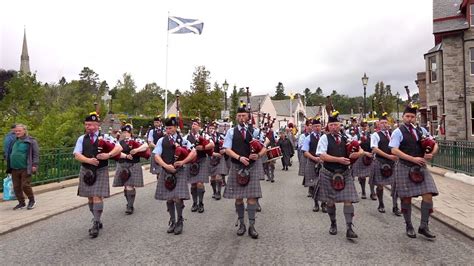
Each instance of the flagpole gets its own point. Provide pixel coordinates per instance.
(166, 69)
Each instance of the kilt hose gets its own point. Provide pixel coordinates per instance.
(406, 188)
(235, 191)
(101, 186)
(326, 193)
(136, 175)
(181, 191)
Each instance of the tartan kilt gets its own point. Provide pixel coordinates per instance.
(227, 164)
(303, 160)
(359, 169)
(259, 167)
(220, 169)
(327, 194)
(101, 186)
(310, 176)
(406, 188)
(236, 191)
(204, 172)
(181, 191)
(377, 178)
(155, 168)
(136, 175)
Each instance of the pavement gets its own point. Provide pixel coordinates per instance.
(55, 232)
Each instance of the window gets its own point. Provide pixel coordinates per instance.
(432, 69)
(471, 60)
(472, 118)
(434, 113)
(471, 7)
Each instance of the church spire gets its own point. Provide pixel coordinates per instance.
(25, 58)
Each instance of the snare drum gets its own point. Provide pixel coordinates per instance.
(274, 154)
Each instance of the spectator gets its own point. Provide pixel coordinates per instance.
(9, 138)
(22, 162)
(287, 150)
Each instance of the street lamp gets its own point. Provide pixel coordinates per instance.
(398, 111)
(365, 81)
(373, 109)
(225, 86)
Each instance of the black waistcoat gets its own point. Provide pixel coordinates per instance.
(90, 151)
(193, 140)
(157, 134)
(313, 144)
(126, 149)
(167, 153)
(337, 150)
(240, 145)
(410, 145)
(383, 146)
(216, 142)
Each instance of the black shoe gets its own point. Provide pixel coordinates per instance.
(410, 231)
(373, 197)
(172, 226)
(283, 169)
(268, 180)
(31, 205)
(129, 210)
(259, 209)
(94, 230)
(324, 207)
(426, 232)
(363, 196)
(201, 207)
(194, 208)
(252, 232)
(179, 226)
(242, 229)
(350, 233)
(333, 228)
(218, 196)
(101, 225)
(396, 211)
(214, 195)
(381, 208)
(273, 181)
(20, 205)
(316, 208)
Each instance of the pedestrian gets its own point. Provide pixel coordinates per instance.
(269, 166)
(412, 178)
(9, 138)
(22, 162)
(243, 182)
(199, 171)
(384, 163)
(362, 167)
(94, 152)
(337, 183)
(301, 158)
(313, 163)
(172, 185)
(129, 173)
(287, 150)
(218, 167)
(154, 134)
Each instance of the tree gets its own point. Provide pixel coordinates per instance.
(5, 76)
(125, 93)
(307, 97)
(89, 81)
(280, 92)
(149, 101)
(234, 103)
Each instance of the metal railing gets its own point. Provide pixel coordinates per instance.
(457, 156)
(56, 165)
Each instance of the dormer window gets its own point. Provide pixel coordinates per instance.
(432, 69)
(471, 13)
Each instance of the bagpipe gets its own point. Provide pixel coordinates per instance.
(105, 146)
(204, 142)
(133, 144)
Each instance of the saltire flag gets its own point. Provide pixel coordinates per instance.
(183, 25)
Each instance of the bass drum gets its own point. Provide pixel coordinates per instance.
(274, 154)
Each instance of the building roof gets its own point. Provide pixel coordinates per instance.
(312, 111)
(447, 16)
(437, 48)
(254, 100)
(282, 107)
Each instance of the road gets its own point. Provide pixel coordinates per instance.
(290, 233)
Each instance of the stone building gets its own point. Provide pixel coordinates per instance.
(450, 69)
